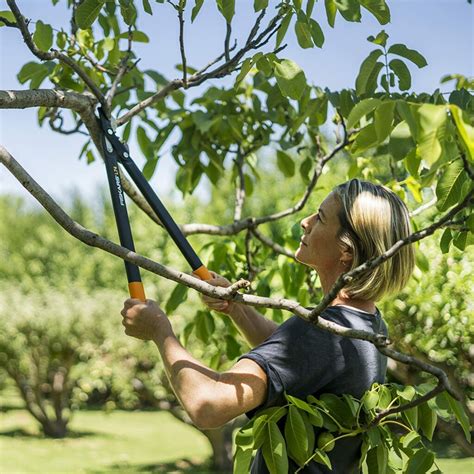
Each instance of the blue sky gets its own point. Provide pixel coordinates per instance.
(442, 30)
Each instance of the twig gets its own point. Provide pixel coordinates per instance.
(227, 41)
(181, 45)
(256, 27)
(270, 243)
(423, 207)
(240, 187)
(122, 70)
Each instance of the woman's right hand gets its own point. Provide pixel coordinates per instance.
(223, 306)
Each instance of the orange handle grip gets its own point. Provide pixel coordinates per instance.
(202, 273)
(136, 290)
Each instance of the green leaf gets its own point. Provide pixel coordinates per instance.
(227, 9)
(427, 419)
(8, 15)
(232, 347)
(377, 460)
(128, 11)
(285, 164)
(137, 36)
(370, 400)
(410, 440)
(87, 12)
(144, 142)
(35, 72)
(448, 189)
(260, 5)
(290, 78)
(245, 68)
(445, 241)
(196, 9)
(460, 414)
(147, 7)
(149, 168)
(366, 69)
(420, 462)
(349, 9)
(285, 23)
(43, 36)
(380, 39)
(412, 163)
(274, 450)
(242, 459)
(465, 131)
(365, 139)
(322, 458)
(431, 118)
(316, 33)
(383, 120)
(360, 110)
(411, 417)
(378, 8)
(331, 11)
(401, 71)
(303, 34)
(205, 326)
(407, 393)
(310, 8)
(295, 435)
(410, 54)
(178, 296)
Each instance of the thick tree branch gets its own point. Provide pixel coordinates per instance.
(22, 99)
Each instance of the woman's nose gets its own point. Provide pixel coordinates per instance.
(304, 225)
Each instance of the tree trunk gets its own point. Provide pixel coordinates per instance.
(221, 442)
(54, 428)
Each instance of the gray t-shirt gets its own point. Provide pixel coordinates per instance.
(303, 360)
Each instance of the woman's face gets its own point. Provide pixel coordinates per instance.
(319, 247)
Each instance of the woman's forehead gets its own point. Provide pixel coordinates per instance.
(331, 204)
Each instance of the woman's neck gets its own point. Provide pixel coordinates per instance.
(364, 305)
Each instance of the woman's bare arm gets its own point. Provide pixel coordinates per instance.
(255, 327)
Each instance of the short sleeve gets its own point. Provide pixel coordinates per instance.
(298, 358)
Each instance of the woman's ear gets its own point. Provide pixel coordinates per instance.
(346, 257)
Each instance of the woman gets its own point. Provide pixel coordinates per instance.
(357, 221)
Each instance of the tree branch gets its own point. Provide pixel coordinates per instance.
(181, 44)
(273, 245)
(22, 99)
(240, 187)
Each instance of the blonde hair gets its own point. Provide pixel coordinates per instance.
(372, 219)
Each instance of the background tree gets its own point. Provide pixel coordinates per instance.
(420, 145)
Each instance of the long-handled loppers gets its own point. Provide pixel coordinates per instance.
(116, 152)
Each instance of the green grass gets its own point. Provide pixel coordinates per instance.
(119, 442)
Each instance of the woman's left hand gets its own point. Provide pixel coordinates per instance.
(143, 320)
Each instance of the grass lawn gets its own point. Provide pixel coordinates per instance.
(116, 442)
(119, 442)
